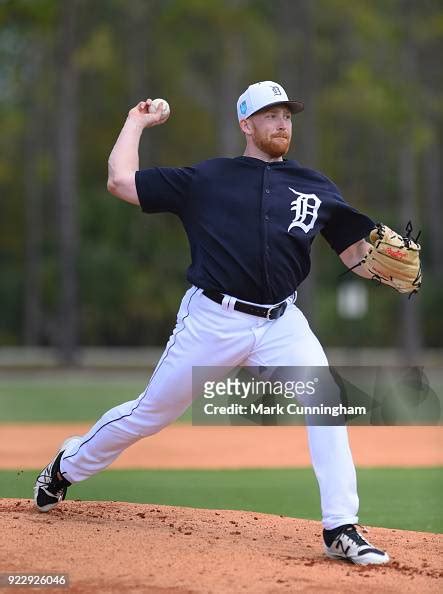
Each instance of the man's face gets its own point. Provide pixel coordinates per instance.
(272, 130)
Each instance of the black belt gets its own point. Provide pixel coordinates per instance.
(270, 313)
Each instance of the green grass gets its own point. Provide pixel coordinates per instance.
(68, 397)
(81, 396)
(393, 498)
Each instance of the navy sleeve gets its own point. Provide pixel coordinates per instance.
(346, 226)
(163, 189)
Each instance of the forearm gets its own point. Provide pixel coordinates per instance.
(124, 159)
(360, 271)
(353, 255)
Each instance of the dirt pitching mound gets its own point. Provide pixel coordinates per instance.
(118, 547)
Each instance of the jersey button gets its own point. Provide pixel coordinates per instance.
(266, 218)
(268, 191)
(268, 167)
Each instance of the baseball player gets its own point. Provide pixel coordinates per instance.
(250, 222)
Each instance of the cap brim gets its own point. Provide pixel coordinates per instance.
(294, 106)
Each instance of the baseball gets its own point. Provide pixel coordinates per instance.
(154, 105)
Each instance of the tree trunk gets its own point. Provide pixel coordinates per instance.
(66, 182)
(232, 67)
(410, 327)
(433, 210)
(139, 44)
(33, 208)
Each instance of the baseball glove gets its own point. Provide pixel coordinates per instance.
(393, 260)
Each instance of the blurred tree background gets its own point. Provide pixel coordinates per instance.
(79, 267)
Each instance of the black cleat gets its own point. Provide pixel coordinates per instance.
(50, 487)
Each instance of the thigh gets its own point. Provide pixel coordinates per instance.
(292, 353)
(204, 336)
(288, 341)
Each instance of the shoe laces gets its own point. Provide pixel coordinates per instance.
(55, 485)
(352, 533)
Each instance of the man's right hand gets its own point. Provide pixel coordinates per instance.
(140, 115)
(123, 160)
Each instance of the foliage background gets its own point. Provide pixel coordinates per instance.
(79, 267)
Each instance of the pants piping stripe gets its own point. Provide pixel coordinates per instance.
(152, 377)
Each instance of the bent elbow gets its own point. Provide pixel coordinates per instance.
(110, 186)
(123, 187)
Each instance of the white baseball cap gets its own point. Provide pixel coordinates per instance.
(263, 94)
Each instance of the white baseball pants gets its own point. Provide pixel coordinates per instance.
(209, 334)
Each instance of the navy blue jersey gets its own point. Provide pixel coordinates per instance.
(250, 223)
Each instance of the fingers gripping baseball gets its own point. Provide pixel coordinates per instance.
(394, 260)
(150, 113)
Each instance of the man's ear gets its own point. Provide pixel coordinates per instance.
(246, 127)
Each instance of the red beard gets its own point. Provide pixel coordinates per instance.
(276, 146)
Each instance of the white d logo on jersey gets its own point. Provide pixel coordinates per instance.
(306, 208)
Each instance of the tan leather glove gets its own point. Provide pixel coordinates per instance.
(393, 260)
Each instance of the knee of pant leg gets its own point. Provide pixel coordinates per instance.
(152, 416)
